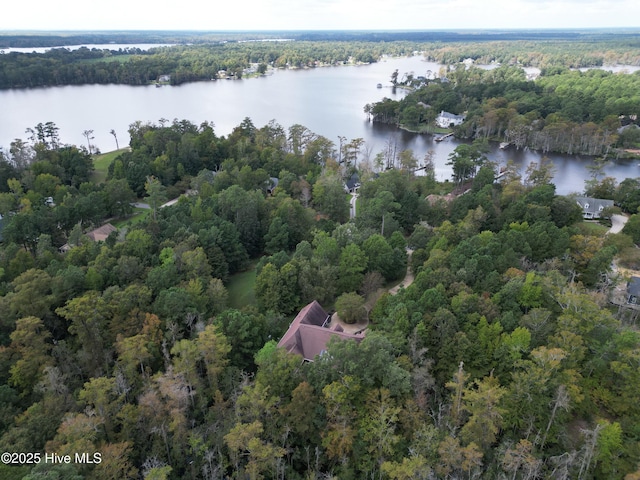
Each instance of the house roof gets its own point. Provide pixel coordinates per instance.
(627, 127)
(272, 184)
(100, 234)
(353, 181)
(593, 205)
(451, 116)
(633, 286)
(308, 336)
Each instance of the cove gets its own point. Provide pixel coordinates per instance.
(329, 101)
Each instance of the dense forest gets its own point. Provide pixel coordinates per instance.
(503, 358)
(563, 110)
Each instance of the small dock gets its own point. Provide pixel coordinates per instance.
(503, 171)
(443, 137)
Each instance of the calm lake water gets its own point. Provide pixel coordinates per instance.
(329, 101)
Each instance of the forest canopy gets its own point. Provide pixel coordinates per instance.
(503, 358)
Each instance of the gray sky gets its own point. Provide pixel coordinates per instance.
(316, 14)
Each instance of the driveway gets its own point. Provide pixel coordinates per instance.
(141, 205)
(408, 279)
(617, 223)
(170, 202)
(352, 205)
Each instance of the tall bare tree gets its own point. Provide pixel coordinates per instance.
(88, 134)
(113, 132)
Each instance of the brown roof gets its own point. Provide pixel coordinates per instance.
(308, 336)
(100, 234)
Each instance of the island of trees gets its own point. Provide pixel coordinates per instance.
(503, 359)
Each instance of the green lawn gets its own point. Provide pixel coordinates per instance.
(592, 228)
(241, 288)
(426, 128)
(101, 165)
(138, 215)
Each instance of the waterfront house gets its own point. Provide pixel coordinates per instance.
(592, 207)
(446, 119)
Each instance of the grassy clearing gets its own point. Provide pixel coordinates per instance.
(101, 165)
(426, 128)
(241, 288)
(139, 214)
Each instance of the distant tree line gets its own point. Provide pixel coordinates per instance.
(570, 51)
(477, 37)
(183, 63)
(207, 54)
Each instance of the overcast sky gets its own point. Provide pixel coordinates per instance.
(316, 14)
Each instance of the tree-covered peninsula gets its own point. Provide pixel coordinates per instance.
(494, 345)
(568, 111)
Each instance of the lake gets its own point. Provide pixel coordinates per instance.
(329, 101)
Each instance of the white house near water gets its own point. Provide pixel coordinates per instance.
(446, 119)
(592, 207)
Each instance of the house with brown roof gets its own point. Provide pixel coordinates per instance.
(100, 234)
(310, 332)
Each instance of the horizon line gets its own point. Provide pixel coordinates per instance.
(323, 30)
